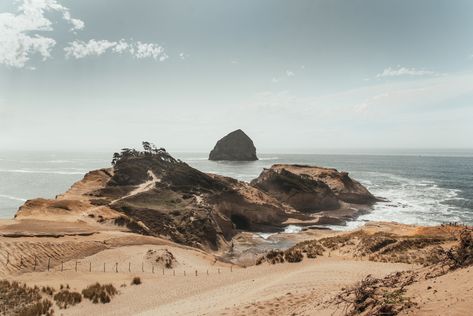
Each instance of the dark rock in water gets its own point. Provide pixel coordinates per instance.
(236, 146)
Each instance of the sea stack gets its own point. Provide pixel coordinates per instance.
(236, 146)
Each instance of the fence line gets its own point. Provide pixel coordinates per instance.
(75, 265)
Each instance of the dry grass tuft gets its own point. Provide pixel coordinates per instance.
(40, 308)
(19, 299)
(100, 293)
(373, 296)
(312, 248)
(461, 255)
(136, 281)
(66, 298)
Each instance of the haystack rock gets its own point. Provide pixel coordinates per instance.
(236, 146)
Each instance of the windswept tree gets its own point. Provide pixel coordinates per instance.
(149, 150)
(116, 157)
(147, 147)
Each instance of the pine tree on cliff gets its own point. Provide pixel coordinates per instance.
(147, 146)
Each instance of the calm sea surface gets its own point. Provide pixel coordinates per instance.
(422, 189)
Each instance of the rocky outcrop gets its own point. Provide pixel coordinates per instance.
(301, 192)
(312, 189)
(155, 194)
(236, 146)
(151, 193)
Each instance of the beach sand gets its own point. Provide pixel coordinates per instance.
(199, 284)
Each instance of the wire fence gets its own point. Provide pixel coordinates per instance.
(56, 265)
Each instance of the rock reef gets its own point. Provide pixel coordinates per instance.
(236, 146)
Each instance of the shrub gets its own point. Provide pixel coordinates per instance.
(48, 290)
(462, 255)
(40, 308)
(293, 255)
(20, 299)
(99, 293)
(66, 298)
(136, 281)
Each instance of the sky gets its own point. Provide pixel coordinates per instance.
(296, 76)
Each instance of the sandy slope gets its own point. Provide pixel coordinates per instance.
(219, 288)
(265, 289)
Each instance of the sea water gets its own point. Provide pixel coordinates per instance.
(421, 188)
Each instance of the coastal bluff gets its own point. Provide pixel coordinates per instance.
(151, 193)
(236, 146)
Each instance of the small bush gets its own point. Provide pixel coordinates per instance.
(136, 281)
(40, 308)
(462, 255)
(293, 255)
(48, 290)
(99, 293)
(65, 298)
(20, 299)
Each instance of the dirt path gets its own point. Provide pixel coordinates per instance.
(145, 186)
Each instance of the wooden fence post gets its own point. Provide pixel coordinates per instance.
(218, 270)
(90, 266)
(8, 258)
(76, 266)
(231, 268)
(142, 267)
(195, 272)
(174, 272)
(49, 263)
(35, 261)
(62, 266)
(116, 267)
(104, 267)
(163, 271)
(129, 266)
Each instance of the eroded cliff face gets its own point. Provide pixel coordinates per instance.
(155, 194)
(236, 146)
(312, 189)
(299, 191)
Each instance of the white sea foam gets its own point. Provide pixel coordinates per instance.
(292, 229)
(9, 197)
(265, 235)
(420, 202)
(63, 172)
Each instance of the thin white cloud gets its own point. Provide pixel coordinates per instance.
(80, 49)
(139, 50)
(403, 71)
(19, 38)
(288, 73)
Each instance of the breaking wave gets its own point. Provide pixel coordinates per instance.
(62, 172)
(14, 198)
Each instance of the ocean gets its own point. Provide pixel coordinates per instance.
(422, 188)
